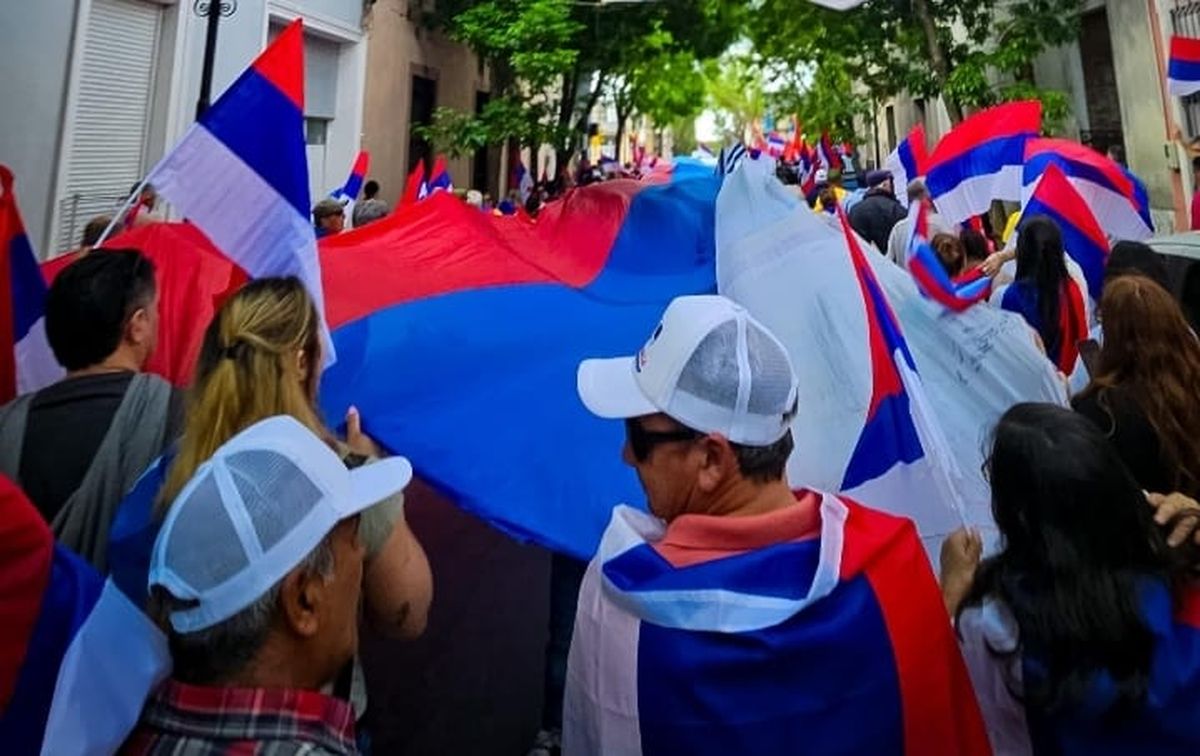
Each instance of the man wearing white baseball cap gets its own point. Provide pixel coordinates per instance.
(258, 572)
(741, 616)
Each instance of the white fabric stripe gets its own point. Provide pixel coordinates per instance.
(115, 660)
(971, 197)
(722, 610)
(36, 366)
(600, 704)
(240, 212)
(1182, 87)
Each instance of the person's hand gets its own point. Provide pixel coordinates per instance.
(961, 553)
(358, 441)
(1178, 515)
(991, 266)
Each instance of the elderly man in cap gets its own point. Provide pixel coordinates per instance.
(740, 616)
(879, 211)
(329, 217)
(258, 570)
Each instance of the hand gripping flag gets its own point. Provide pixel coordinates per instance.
(932, 279)
(1083, 238)
(981, 160)
(835, 641)
(241, 175)
(26, 361)
(77, 659)
(907, 162)
(1183, 67)
(1106, 187)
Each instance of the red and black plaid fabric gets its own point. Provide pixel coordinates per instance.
(188, 720)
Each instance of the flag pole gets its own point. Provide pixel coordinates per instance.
(137, 192)
(210, 52)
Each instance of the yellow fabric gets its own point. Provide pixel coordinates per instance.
(1010, 226)
(838, 192)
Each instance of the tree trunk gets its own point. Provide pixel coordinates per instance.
(937, 56)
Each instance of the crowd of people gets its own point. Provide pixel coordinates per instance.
(255, 536)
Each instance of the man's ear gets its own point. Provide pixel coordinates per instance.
(301, 596)
(717, 461)
(138, 327)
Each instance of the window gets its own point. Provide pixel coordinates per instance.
(316, 130)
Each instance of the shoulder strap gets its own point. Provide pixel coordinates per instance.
(13, 417)
(134, 440)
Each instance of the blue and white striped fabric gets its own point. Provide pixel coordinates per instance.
(240, 173)
(730, 158)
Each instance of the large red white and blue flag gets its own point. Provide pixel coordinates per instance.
(77, 659)
(832, 639)
(908, 161)
(1084, 240)
(932, 279)
(981, 159)
(26, 362)
(1112, 193)
(1183, 66)
(240, 173)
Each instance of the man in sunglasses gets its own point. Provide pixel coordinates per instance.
(741, 616)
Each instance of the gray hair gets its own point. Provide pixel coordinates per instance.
(368, 211)
(215, 654)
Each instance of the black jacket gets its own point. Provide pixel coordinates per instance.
(874, 216)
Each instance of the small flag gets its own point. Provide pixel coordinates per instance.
(26, 361)
(413, 184)
(1183, 68)
(776, 144)
(981, 159)
(932, 279)
(907, 162)
(439, 178)
(730, 158)
(240, 173)
(357, 174)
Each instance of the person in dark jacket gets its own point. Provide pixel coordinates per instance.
(874, 217)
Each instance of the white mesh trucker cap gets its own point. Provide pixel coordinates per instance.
(254, 511)
(708, 365)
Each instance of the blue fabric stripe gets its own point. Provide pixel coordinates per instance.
(783, 571)
(824, 682)
(908, 160)
(266, 130)
(1038, 163)
(988, 158)
(73, 590)
(1079, 246)
(1183, 70)
(887, 439)
(28, 286)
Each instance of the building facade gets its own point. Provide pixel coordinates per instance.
(96, 90)
(412, 71)
(1114, 75)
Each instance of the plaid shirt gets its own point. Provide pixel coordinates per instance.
(188, 720)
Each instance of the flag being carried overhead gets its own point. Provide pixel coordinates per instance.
(1083, 238)
(981, 159)
(1183, 68)
(1107, 188)
(241, 175)
(907, 162)
(26, 362)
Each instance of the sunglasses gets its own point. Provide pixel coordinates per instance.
(642, 441)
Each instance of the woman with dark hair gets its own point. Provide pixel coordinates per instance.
(1081, 634)
(1144, 392)
(1045, 294)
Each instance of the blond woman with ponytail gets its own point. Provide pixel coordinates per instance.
(261, 356)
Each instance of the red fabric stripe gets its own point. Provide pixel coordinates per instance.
(412, 185)
(1187, 609)
(1185, 48)
(941, 715)
(10, 227)
(26, 550)
(1010, 119)
(282, 63)
(1078, 153)
(1072, 322)
(442, 245)
(1056, 191)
